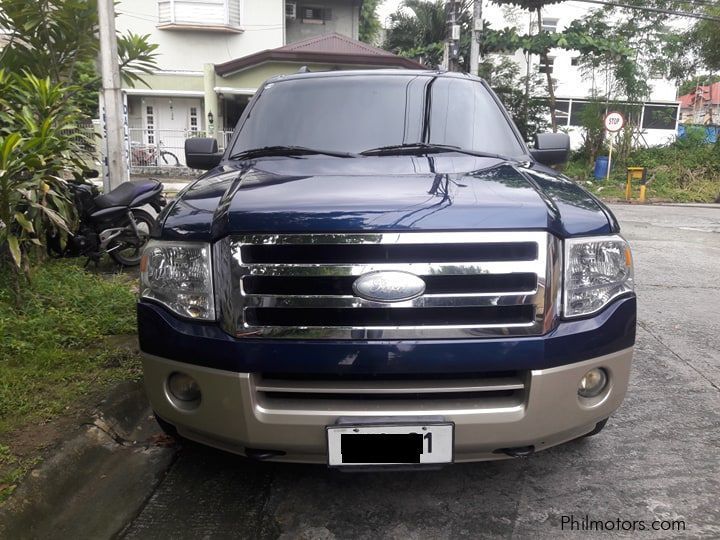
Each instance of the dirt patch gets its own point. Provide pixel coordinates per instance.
(26, 447)
(31, 444)
(29, 441)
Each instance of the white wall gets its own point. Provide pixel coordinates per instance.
(262, 22)
(344, 20)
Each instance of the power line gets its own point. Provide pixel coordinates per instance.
(707, 3)
(701, 16)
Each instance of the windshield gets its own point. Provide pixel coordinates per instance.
(359, 113)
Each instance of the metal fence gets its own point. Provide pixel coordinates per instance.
(163, 148)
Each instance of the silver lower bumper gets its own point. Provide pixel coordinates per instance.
(232, 417)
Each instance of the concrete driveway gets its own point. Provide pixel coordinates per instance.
(658, 458)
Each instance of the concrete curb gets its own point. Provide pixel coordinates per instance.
(714, 206)
(98, 480)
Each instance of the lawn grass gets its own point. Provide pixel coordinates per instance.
(57, 349)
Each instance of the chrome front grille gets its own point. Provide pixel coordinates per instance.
(477, 284)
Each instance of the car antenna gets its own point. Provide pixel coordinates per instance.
(303, 69)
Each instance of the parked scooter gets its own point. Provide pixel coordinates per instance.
(113, 223)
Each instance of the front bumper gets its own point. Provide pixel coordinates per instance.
(232, 415)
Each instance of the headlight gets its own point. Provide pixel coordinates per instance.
(179, 276)
(597, 270)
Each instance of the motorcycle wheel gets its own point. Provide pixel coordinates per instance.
(169, 158)
(129, 253)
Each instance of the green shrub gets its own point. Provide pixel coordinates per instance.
(36, 147)
(687, 170)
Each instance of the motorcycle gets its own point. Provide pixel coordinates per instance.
(114, 223)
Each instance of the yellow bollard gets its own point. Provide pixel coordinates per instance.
(635, 173)
(628, 187)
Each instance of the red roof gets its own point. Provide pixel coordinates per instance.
(324, 49)
(333, 43)
(703, 95)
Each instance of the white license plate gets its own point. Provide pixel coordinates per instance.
(401, 444)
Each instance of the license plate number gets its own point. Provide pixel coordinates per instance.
(390, 444)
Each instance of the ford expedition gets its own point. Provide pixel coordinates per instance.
(378, 271)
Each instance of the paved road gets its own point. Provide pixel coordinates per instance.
(659, 457)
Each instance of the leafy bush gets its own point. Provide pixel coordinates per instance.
(48, 84)
(36, 146)
(688, 170)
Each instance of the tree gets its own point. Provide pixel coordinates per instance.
(648, 46)
(688, 86)
(543, 49)
(418, 30)
(369, 21)
(706, 36)
(522, 95)
(58, 39)
(51, 48)
(572, 38)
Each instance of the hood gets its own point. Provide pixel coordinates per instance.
(395, 193)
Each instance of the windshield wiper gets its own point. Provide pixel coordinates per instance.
(427, 148)
(287, 151)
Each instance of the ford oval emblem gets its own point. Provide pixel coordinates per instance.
(388, 286)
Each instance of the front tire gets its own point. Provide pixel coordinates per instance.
(597, 429)
(129, 251)
(167, 427)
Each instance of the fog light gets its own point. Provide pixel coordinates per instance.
(183, 387)
(592, 383)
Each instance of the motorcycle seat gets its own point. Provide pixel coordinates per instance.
(126, 192)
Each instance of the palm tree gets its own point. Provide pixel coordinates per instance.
(419, 28)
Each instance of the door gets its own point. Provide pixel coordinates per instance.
(167, 122)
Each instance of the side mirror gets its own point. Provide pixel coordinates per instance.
(551, 148)
(202, 153)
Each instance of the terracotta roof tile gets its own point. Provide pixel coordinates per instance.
(324, 49)
(333, 43)
(706, 94)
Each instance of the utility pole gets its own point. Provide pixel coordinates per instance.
(112, 109)
(477, 27)
(452, 43)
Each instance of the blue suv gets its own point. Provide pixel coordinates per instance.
(378, 272)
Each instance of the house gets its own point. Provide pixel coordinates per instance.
(701, 106)
(214, 54)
